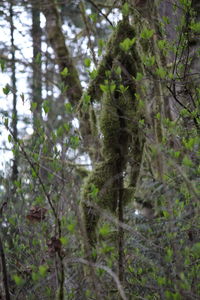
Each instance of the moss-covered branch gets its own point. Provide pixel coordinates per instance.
(65, 61)
(63, 56)
(118, 124)
(122, 31)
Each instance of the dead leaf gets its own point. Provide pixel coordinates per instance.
(54, 245)
(36, 214)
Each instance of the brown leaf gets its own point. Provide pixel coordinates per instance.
(54, 245)
(36, 214)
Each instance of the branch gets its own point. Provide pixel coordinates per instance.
(4, 271)
(105, 268)
(64, 60)
(3, 260)
(99, 10)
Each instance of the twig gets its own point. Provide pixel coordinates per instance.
(105, 268)
(99, 10)
(87, 27)
(3, 260)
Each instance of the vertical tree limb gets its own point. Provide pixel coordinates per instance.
(4, 270)
(13, 80)
(37, 72)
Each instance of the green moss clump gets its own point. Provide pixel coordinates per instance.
(118, 126)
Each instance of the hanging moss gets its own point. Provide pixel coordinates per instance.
(122, 141)
(118, 124)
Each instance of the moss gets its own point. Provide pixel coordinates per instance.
(123, 30)
(121, 143)
(82, 172)
(93, 121)
(104, 178)
(128, 195)
(110, 127)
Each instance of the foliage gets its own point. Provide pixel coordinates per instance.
(101, 201)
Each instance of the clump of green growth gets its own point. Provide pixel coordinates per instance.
(121, 95)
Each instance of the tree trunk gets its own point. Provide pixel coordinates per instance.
(37, 72)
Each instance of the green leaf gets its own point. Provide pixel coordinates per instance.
(86, 99)
(108, 87)
(187, 161)
(107, 249)
(177, 154)
(105, 230)
(141, 123)
(161, 72)
(43, 270)
(46, 106)
(190, 143)
(67, 127)
(184, 113)
(88, 294)
(94, 191)
(166, 20)
(17, 183)
(9, 138)
(149, 61)
(169, 254)
(131, 269)
(139, 76)
(71, 227)
(64, 240)
(6, 89)
(186, 3)
(93, 74)
(33, 106)
(35, 276)
(158, 116)
(162, 44)
(196, 249)
(34, 174)
(64, 72)
(123, 88)
(104, 88)
(87, 62)
(18, 280)
(101, 45)
(127, 44)
(166, 214)
(100, 271)
(125, 9)
(195, 27)
(118, 70)
(74, 141)
(112, 87)
(147, 33)
(93, 17)
(6, 122)
(22, 97)
(161, 280)
(38, 59)
(63, 88)
(60, 131)
(68, 108)
(2, 64)
(172, 296)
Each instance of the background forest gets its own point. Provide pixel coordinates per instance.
(100, 136)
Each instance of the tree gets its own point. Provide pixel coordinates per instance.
(133, 213)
